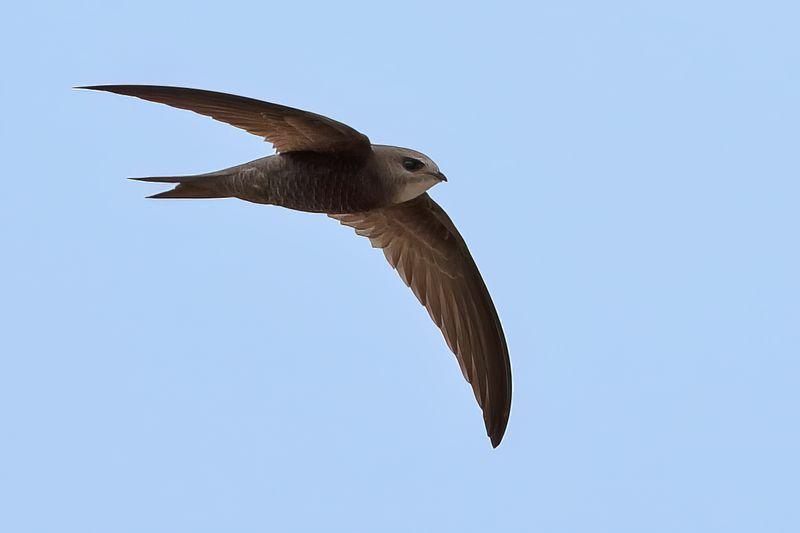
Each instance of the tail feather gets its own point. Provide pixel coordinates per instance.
(200, 186)
(165, 179)
(188, 191)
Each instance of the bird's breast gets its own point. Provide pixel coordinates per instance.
(320, 183)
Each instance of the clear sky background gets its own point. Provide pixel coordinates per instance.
(625, 173)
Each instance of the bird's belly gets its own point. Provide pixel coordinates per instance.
(314, 188)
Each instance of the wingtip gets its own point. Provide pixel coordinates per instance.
(497, 431)
(496, 440)
(107, 88)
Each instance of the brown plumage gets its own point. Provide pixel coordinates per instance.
(424, 246)
(328, 167)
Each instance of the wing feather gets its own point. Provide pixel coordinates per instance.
(287, 128)
(423, 244)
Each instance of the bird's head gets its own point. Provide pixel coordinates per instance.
(411, 172)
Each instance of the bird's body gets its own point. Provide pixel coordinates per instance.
(303, 181)
(324, 166)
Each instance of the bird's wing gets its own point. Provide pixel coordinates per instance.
(288, 129)
(422, 244)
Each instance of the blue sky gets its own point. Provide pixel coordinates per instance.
(626, 176)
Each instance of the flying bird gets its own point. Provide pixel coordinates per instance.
(324, 166)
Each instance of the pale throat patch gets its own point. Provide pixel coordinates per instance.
(411, 189)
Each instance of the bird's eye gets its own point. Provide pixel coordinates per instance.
(412, 164)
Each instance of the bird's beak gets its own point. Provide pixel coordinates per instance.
(441, 176)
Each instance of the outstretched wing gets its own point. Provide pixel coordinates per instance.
(422, 244)
(288, 129)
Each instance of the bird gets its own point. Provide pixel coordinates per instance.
(324, 166)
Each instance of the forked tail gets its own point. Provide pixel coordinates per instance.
(200, 186)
